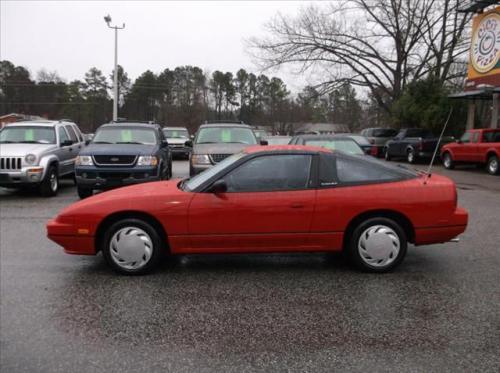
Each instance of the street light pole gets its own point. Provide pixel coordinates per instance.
(115, 76)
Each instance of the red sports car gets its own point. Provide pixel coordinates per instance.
(268, 199)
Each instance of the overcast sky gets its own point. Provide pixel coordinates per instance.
(71, 36)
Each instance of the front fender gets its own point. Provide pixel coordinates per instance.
(46, 161)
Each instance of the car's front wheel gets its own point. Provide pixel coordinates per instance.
(131, 246)
(448, 161)
(492, 165)
(377, 245)
(50, 184)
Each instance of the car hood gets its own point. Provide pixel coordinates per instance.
(220, 148)
(118, 149)
(177, 141)
(21, 150)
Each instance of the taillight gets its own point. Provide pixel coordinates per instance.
(374, 151)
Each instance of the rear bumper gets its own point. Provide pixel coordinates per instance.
(72, 241)
(432, 235)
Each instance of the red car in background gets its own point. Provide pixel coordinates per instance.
(268, 199)
(480, 146)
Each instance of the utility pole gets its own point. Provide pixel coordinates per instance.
(115, 77)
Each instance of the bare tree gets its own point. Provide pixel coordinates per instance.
(381, 45)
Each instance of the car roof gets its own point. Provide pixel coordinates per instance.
(131, 124)
(281, 148)
(174, 128)
(41, 123)
(211, 125)
(344, 136)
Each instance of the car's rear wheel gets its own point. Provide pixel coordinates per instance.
(131, 246)
(377, 245)
(50, 184)
(411, 156)
(448, 161)
(84, 192)
(387, 156)
(492, 165)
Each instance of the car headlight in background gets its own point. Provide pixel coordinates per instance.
(84, 160)
(147, 160)
(30, 159)
(200, 159)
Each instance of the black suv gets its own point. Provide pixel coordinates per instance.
(123, 153)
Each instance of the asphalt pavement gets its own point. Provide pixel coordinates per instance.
(439, 311)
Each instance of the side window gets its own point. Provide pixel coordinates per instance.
(78, 133)
(271, 173)
(327, 171)
(63, 136)
(351, 170)
(475, 136)
(465, 138)
(491, 136)
(72, 134)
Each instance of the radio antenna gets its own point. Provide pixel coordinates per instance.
(437, 147)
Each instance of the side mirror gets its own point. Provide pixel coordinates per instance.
(67, 143)
(189, 143)
(264, 142)
(219, 186)
(191, 137)
(87, 142)
(164, 143)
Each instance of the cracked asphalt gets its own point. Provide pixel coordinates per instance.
(439, 311)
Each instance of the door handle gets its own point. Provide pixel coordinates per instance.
(297, 205)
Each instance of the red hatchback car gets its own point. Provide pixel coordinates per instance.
(268, 199)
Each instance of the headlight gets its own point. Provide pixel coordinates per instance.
(200, 159)
(147, 160)
(30, 159)
(84, 160)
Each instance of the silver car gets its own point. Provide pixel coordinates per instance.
(217, 141)
(38, 153)
(378, 137)
(177, 137)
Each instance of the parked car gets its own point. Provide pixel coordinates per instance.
(177, 137)
(123, 153)
(216, 141)
(333, 142)
(268, 199)
(363, 143)
(480, 146)
(413, 144)
(379, 137)
(38, 153)
(278, 140)
(261, 134)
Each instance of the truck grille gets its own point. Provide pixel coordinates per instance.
(10, 163)
(216, 158)
(114, 160)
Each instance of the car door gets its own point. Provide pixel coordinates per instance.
(462, 151)
(76, 147)
(268, 206)
(65, 152)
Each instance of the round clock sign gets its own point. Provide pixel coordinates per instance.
(485, 48)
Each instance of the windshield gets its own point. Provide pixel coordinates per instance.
(213, 135)
(128, 135)
(176, 134)
(28, 135)
(384, 132)
(199, 179)
(344, 145)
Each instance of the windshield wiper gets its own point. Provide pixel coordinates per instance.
(101, 142)
(7, 142)
(207, 142)
(130, 142)
(30, 142)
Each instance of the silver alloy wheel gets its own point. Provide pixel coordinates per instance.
(447, 160)
(493, 165)
(411, 156)
(379, 246)
(53, 182)
(131, 248)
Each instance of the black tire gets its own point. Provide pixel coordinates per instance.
(154, 238)
(84, 192)
(448, 161)
(353, 252)
(50, 184)
(387, 156)
(492, 165)
(411, 156)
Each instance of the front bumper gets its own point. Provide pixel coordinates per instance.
(107, 178)
(180, 150)
(70, 238)
(25, 176)
(198, 168)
